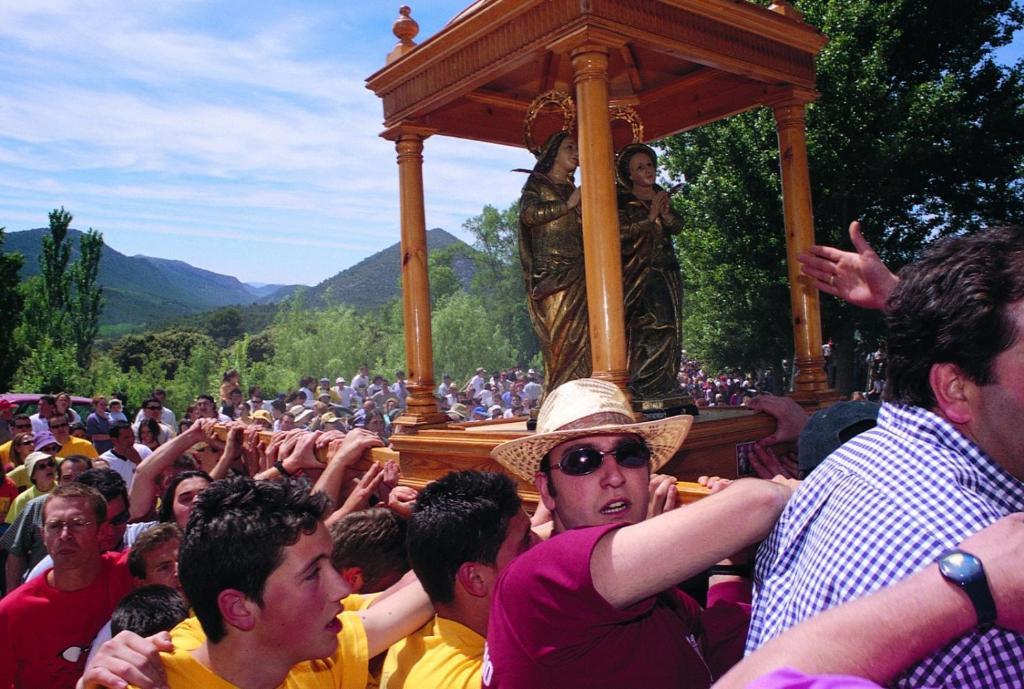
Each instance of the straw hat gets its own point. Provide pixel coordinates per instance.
(589, 407)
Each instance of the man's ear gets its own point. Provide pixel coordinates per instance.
(471, 577)
(237, 609)
(540, 479)
(354, 577)
(952, 389)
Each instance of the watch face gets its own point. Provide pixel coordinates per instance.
(960, 566)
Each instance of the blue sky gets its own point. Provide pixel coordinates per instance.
(235, 135)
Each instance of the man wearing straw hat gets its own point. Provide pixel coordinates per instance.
(596, 605)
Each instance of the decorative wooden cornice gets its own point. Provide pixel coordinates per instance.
(470, 67)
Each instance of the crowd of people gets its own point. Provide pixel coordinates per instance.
(162, 553)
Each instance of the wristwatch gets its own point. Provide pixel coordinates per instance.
(965, 571)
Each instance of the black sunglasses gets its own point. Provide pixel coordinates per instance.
(581, 461)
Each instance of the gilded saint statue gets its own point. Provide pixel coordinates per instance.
(551, 252)
(652, 285)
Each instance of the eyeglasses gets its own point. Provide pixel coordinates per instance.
(57, 526)
(27, 442)
(154, 408)
(45, 464)
(581, 461)
(58, 425)
(23, 425)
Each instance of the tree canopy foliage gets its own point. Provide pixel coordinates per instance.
(63, 306)
(917, 132)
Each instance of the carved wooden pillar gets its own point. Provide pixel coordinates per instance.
(421, 406)
(602, 252)
(810, 383)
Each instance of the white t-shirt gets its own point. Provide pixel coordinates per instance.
(125, 467)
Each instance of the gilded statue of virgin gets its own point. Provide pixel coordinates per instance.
(651, 282)
(551, 252)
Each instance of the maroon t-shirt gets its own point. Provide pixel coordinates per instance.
(550, 627)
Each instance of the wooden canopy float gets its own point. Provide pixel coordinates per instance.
(678, 64)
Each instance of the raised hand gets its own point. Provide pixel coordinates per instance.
(857, 276)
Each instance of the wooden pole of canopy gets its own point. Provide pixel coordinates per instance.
(810, 384)
(602, 252)
(421, 406)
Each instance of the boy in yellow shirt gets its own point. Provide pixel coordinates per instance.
(255, 564)
(465, 528)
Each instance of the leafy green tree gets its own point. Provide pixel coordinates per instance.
(499, 279)
(917, 132)
(466, 335)
(64, 301)
(11, 301)
(86, 297)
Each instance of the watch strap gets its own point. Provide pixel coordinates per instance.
(976, 587)
(279, 465)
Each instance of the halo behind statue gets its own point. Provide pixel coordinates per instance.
(549, 100)
(629, 115)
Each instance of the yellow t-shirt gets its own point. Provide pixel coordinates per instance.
(345, 669)
(5, 453)
(442, 654)
(77, 446)
(19, 503)
(20, 477)
(354, 602)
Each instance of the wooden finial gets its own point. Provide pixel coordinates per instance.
(405, 29)
(786, 9)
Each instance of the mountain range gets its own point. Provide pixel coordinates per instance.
(147, 290)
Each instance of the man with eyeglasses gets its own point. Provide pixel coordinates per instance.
(166, 416)
(69, 444)
(597, 604)
(47, 625)
(118, 535)
(23, 541)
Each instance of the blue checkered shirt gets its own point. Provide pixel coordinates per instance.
(881, 507)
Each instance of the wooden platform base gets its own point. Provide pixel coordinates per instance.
(716, 446)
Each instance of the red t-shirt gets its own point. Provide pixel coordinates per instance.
(550, 627)
(45, 633)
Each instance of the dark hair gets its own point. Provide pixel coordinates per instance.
(546, 159)
(49, 399)
(80, 490)
(166, 512)
(950, 307)
(236, 538)
(207, 397)
(545, 468)
(153, 537)
(229, 374)
(279, 405)
(154, 429)
(374, 541)
(107, 481)
(461, 517)
(151, 400)
(75, 459)
(17, 441)
(149, 610)
(116, 430)
(627, 154)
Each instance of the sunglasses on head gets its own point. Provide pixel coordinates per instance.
(580, 461)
